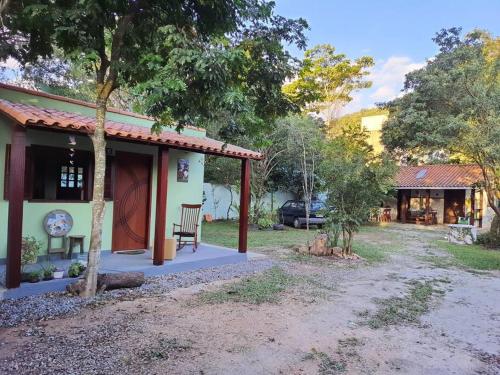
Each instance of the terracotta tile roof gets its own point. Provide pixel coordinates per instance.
(438, 176)
(29, 115)
(79, 102)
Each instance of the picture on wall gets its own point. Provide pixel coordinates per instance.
(182, 170)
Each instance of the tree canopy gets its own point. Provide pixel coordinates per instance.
(327, 79)
(453, 104)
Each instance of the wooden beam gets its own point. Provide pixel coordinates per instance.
(17, 167)
(472, 206)
(244, 205)
(481, 205)
(427, 206)
(404, 206)
(161, 206)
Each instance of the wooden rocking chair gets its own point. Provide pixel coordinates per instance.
(188, 228)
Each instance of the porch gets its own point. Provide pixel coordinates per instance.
(46, 166)
(206, 256)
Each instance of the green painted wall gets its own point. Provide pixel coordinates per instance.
(34, 212)
(25, 98)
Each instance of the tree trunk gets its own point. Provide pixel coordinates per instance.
(110, 281)
(98, 208)
(229, 187)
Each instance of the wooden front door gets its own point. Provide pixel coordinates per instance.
(131, 201)
(454, 201)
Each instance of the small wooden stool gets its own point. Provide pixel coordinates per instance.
(76, 240)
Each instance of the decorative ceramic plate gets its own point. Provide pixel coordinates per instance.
(58, 223)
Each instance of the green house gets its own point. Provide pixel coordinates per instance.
(46, 164)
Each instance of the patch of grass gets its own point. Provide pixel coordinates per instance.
(371, 253)
(403, 310)
(164, 349)
(473, 256)
(264, 287)
(225, 233)
(439, 261)
(327, 365)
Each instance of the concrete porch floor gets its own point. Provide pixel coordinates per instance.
(206, 256)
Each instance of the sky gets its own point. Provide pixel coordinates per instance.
(397, 34)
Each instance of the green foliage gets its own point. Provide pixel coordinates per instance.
(35, 276)
(262, 288)
(75, 269)
(488, 240)
(356, 181)
(189, 61)
(473, 256)
(453, 104)
(30, 247)
(266, 220)
(48, 271)
(326, 78)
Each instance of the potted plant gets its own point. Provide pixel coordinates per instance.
(58, 273)
(75, 269)
(34, 276)
(48, 272)
(30, 247)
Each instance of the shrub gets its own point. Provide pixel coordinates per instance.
(75, 269)
(29, 250)
(488, 240)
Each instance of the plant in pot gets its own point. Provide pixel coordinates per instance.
(35, 276)
(75, 269)
(48, 272)
(30, 247)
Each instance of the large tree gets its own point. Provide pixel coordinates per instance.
(192, 60)
(453, 104)
(327, 79)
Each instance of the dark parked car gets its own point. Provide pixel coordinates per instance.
(293, 212)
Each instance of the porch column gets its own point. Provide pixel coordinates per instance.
(404, 206)
(481, 205)
(244, 205)
(427, 206)
(161, 206)
(472, 206)
(16, 197)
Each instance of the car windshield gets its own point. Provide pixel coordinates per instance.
(315, 206)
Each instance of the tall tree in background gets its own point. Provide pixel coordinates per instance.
(304, 144)
(453, 104)
(192, 60)
(326, 80)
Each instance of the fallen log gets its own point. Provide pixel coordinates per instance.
(110, 281)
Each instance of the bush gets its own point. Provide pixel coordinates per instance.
(29, 250)
(266, 220)
(75, 269)
(488, 240)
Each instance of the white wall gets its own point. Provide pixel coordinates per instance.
(218, 200)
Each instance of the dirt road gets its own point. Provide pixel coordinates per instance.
(404, 315)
